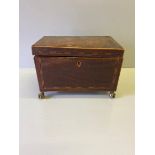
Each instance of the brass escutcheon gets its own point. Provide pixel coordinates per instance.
(79, 63)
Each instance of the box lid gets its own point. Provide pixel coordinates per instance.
(76, 46)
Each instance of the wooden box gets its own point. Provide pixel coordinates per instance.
(77, 63)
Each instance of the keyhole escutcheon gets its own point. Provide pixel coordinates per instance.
(79, 63)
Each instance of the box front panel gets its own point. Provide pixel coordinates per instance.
(77, 73)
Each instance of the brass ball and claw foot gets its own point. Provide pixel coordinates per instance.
(41, 95)
(112, 94)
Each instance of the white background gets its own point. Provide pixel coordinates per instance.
(145, 84)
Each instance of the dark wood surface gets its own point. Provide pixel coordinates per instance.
(74, 72)
(78, 42)
(77, 46)
(78, 63)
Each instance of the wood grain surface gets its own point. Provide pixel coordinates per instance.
(77, 46)
(77, 63)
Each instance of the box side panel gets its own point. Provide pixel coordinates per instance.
(75, 73)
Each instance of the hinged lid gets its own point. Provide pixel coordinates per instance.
(76, 46)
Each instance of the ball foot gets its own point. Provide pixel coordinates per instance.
(41, 95)
(112, 94)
